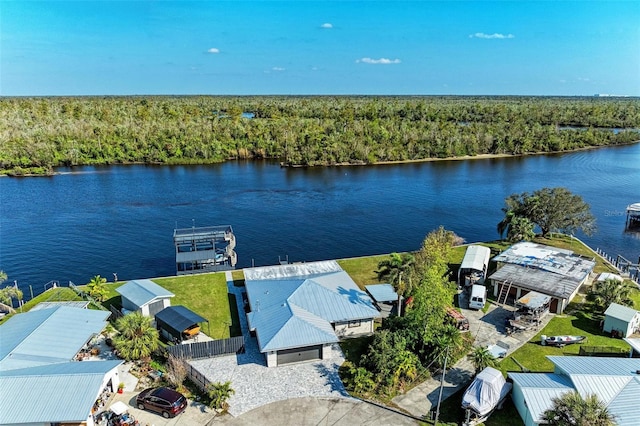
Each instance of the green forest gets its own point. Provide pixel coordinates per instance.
(39, 134)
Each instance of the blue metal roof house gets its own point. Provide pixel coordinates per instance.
(615, 381)
(298, 311)
(144, 296)
(40, 383)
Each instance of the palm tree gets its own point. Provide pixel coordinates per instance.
(3, 276)
(219, 394)
(393, 270)
(481, 358)
(570, 409)
(517, 228)
(604, 293)
(98, 288)
(9, 293)
(137, 339)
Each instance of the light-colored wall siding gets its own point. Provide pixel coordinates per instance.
(611, 324)
(272, 359)
(518, 400)
(128, 304)
(344, 330)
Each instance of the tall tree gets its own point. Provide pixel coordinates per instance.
(517, 228)
(7, 294)
(137, 339)
(604, 293)
(552, 209)
(397, 270)
(98, 288)
(3, 276)
(570, 409)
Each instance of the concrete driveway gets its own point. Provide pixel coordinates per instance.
(196, 414)
(318, 411)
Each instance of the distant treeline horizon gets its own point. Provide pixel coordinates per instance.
(38, 134)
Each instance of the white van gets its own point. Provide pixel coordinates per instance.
(478, 296)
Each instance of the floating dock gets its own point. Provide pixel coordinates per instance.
(206, 249)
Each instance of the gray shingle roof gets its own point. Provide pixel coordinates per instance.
(60, 393)
(621, 312)
(141, 292)
(294, 305)
(47, 335)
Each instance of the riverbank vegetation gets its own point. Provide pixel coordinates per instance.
(38, 134)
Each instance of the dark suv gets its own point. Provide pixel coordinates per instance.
(162, 400)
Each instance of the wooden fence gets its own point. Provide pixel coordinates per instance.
(208, 349)
(197, 377)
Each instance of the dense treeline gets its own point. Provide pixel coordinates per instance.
(37, 134)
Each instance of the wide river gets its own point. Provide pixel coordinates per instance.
(120, 219)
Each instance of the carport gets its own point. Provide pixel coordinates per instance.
(174, 321)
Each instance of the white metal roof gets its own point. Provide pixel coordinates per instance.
(291, 309)
(625, 404)
(623, 313)
(547, 258)
(72, 304)
(476, 258)
(606, 387)
(47, 335)
(609, 276)
(141, 292)
(634, 343)
(635, 207)
(57, 393)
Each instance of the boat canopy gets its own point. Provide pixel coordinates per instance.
(635, 207)
(485, 392)
(476, 258)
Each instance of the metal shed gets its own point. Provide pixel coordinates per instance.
(474, 265)
(172, 322)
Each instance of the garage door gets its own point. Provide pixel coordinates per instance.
(155, 307)
(299, 354)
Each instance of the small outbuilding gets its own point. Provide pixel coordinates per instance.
(383, 296)
(144, 296)
(177, 323)
(620, 320)
(473, 269)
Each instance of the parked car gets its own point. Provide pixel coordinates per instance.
(162, 400)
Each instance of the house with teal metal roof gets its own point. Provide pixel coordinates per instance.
(615, 381)
(297, 311)
(40, 381)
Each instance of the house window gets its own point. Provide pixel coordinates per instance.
(353, 324)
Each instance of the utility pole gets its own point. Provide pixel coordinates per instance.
(444, 371)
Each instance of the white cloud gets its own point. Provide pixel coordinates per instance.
(383, 61)
(326, 25)
(490, 36)
(278, 69)
(213, 50)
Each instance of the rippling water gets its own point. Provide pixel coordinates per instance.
(121, 219)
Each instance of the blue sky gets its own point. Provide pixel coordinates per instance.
(326, 47)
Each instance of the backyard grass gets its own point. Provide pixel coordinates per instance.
(532, 355)
(206, 295)
(363, 269)
(238, 278)
(58, 294)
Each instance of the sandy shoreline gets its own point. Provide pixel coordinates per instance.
(420, 160)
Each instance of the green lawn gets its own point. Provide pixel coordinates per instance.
(206, 295)
(363, 269)
(58, 294)
(532, 355)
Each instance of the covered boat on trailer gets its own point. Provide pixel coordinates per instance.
(486, 393)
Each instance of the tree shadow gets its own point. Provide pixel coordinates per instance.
(357, 297)
(332, 377)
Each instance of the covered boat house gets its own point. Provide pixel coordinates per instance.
(473, 269)
(206, 249)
